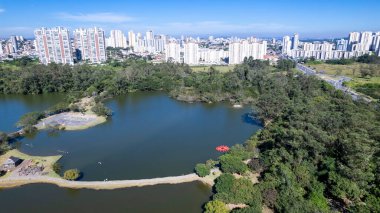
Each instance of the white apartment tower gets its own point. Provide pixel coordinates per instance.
(132, 39)
(14, 42)
(376, 42)
(353, 38)
(295, 42)
(366, 40)
(286, 45)
(240, 50)
(90, 45)
(53, 45)
(117, 39)
(191, 53)
(173, 52)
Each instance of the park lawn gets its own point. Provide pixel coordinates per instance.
(350, 70)
(367, 86)
(48, 161)
(219, 68)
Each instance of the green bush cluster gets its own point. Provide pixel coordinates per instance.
(72, 174)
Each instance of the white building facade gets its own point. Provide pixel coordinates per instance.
(173, 52)
(244, 49)
(117, 39)
(53, 45)
(191, 53)
(90, 45)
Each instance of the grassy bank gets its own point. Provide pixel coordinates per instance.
(47, 161)
(366, 84)
(219, 68)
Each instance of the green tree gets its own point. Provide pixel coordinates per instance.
(101, 110)
(232, 164)
(216, 206)
(202, 170)
(72, 174)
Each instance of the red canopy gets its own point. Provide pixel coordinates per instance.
(222, 148)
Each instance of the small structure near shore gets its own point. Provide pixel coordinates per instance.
(11, 163)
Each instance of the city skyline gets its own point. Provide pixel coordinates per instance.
(262, 19)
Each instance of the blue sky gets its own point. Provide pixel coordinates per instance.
(312, 19)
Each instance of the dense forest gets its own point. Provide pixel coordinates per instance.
(319, 150)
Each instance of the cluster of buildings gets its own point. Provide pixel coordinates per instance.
(357, 44)
(90, 45)
(16, 46)
(234, 52)
(58, 45)
(55, 45)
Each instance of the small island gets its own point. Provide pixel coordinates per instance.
(87, 113)
(71, 121)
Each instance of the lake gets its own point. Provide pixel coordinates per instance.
(149, 135)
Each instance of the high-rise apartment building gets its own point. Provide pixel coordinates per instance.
(286, 45)
(132, 39)
(14, 42)
(53, 45)
(117, 39)
(212, 56)
(366, 40)
(240, 50)
(191, 53)
(295, 41)
(90, 45)
(353, 38)
(376, 42)
(342, 45)
(173, 51)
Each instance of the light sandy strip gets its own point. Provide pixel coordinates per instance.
(113, 184)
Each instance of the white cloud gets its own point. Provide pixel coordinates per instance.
(106, 17)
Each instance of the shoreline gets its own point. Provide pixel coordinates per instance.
(100, 185)
(88, 120)
(11, 179)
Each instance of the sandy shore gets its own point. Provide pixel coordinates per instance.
(98, 185)
(71, 121)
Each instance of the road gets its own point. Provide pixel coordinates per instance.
(336, 82)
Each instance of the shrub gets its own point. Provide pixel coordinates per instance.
(269, 197)
(58, 108)
(202, 170)
(231, 190)
(239, 151)
(30, 119)
(3, 137)
(255, 165)
(250, 209)
(72, 174)
(57, 168)
(101, 110)
(216, 206)
(232, 164)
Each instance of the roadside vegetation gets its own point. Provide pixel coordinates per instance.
(364, 71)
(319, 150)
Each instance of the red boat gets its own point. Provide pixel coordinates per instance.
(222, 148)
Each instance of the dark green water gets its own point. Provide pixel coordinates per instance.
(150, 135)
(187, 197)
(12, 107)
